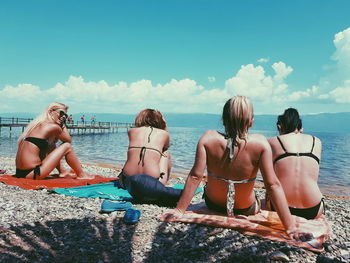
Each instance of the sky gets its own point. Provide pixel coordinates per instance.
(175, 56)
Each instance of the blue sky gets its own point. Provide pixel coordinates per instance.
(176, 56)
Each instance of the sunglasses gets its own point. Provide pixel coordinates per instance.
(62, 113)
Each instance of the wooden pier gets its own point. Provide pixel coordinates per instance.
(76, 127)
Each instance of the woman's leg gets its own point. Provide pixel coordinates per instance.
(147, 188)
(60, 168)
(53, 159)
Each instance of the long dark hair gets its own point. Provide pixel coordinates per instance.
(289, 121)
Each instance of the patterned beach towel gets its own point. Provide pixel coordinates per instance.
(110, 191)
(266, 224)
(51, 183)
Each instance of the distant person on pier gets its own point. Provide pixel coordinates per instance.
(70, 119)
(232, 160)
(146, 172)
(82, 119)
(37, 154)
(93, 119)
(296, 159)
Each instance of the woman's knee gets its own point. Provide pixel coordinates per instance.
(67, 147)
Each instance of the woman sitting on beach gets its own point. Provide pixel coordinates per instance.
(232, 160)
(147, 169)
(296, 159)
(37, 154)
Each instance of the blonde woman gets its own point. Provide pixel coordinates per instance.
(37, 155)
(232, 160)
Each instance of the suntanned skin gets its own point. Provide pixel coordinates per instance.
(253, 154)
(153, 163)
(298, 175)
(28, 154)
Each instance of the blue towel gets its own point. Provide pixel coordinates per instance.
(106, 191)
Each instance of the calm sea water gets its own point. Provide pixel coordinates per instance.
(111, 149)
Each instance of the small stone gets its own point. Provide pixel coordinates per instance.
(344, 253)
(278, 255)
(254, 249)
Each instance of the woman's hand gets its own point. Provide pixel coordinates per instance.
(299, 236)
(62, 121)
(172, 215)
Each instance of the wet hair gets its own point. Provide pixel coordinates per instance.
(289, 121)
(44, 116)
(150, 117)
(237, 116)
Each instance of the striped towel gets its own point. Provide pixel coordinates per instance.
(265, 224)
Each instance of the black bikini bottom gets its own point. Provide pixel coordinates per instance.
(23, 173)
(236, 211)
(307, 213)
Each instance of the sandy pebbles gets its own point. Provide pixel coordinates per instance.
(37, 226)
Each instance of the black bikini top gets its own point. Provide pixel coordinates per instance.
(42, 144)
(287, 154)
(144, 148)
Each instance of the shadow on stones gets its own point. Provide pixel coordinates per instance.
(74, 240)
(197, 243)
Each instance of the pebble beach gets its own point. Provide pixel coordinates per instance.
(39, 226)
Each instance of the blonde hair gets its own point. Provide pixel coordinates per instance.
(150, 117)
(44, 116)
(237, 117)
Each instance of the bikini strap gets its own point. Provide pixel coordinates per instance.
(229, 180)
(313, 144)
(278, 138)
(324, 206)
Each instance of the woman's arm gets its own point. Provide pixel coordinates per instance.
(194, 178)
(276, 193)
(64, 135)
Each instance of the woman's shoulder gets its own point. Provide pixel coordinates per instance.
(50, 127)
(258, 140)
(145, 129)
(257, 137)
(213, 134)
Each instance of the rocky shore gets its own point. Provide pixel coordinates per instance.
(38, 226)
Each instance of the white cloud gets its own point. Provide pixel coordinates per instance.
(297, 95)
(263, 60)
(211, 79)
(184, 95)
(341, 77)
(342, 53)
(340, 94)
(252, 81)
(281, 70)
(99, 96)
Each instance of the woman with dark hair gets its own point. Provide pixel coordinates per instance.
(37, 154)
(232, 161)
(296, 159)
(147, 169)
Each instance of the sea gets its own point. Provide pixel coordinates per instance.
(111, 148)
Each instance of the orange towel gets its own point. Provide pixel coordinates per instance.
(51, 183)
(265, 224)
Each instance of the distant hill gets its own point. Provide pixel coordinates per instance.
(323, 122)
